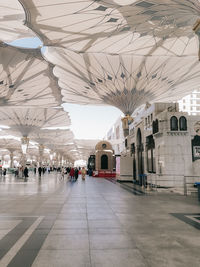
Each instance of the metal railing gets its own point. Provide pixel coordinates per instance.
(177, 183)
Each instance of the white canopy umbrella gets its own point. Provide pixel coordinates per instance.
(53, 136)
(123, 81)
(120, 53)
(12, 21)
(112, 26)
(10, 144)
(23, 121)
(26, 79)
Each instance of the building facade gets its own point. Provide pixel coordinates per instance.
(191, 103)
(116, 137)
(162, 148)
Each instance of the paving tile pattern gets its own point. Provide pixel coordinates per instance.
(96, 224)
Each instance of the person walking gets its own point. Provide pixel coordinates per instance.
(72, 174)
(76, 174)
(25, 173)
(62, 173)
(83, 173)
(40, 171)
(4, 172)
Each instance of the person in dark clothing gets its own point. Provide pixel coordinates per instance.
(34, 170)
(26, 172)
(43, 170)
(39, 171)
(90, 172)
(4, 171)
(76, 174)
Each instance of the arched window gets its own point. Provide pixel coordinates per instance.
(140, 152)
(174, 124)
(150, 154)
(183, 123)
(155, 126)
(104, 162)
(139, 137)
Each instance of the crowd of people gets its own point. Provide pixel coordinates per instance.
(71, 173)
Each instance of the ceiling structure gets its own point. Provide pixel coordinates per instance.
(123, 81)
(60, 136)
(26, 79)
(10, 144)
(113, 26)
(117, 52)
(12, 22)
(85, 148)
(27, 120)
(122, 53)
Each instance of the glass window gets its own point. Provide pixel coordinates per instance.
(149, 161)
(155, 126)
(183, 123)
(174, 123)
(154, 161)
(150, 155)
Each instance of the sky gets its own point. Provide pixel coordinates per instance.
(88, 122)
(91, 122)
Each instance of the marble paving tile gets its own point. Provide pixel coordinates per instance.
(117, 258)
(66, 242)
(114, 241)
(63, 258)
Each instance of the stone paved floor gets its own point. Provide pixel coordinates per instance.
(94, 223)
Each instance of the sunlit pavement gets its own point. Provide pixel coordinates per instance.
(51, 222)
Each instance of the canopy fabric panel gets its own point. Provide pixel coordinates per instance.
(124, 81)
(85, 147)
(115, 26)
(12, 21)
(26, 79)
(120, 53)
(27, 120)
(53, 136)
(10, 144)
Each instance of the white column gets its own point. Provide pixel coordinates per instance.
(24, 146)
(41, 152)
(11, 159)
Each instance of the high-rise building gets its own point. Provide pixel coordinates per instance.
(191, 103)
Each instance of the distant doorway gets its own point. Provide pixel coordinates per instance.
(140, 153)
(104, 162)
